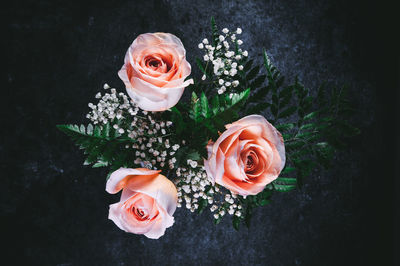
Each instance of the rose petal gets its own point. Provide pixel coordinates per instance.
(119, 178)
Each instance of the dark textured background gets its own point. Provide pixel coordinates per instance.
(58, 54)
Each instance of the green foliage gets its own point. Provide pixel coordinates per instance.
(102, 145)
(213, 117)
(317, 127)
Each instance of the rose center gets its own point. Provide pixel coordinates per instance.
(251, 161)
(139, 213)
(154, 63)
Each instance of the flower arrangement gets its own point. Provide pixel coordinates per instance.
(214, 151)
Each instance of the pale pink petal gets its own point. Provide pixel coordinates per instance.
(158, 228)
(158, 187)
(121, 177)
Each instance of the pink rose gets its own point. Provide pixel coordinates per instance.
(245, 158)
(147, 203)
(154, 71)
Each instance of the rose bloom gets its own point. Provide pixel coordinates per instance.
(147, 203)
(245, 158)
(154, 71)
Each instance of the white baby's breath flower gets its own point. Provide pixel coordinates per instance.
(240, 67)
(206, 58)
(221, 38)
(205, 41)
(225, 30)
(238, 31)
(245, 53)
(220, 81)
(239, 42)
(201, 45)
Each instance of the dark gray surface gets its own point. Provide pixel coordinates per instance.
(59, 54)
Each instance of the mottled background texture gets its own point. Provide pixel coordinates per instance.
(58, 54)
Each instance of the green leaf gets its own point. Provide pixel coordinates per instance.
(247, 217)
(236, 222)
(248, 65)
(264, 202)
(100, 164)
(177, 120)
(228, 111)
(260, 94)
(214, 31)
(284, 188)
(286, 180)
(253, 73)
(258, 82)
(205, 110)
(202, 205)
(288, 112)
(194, 155)
(287, 170)
(101, 150)
(286, 92)
(284, 127)
(215, 105)
(195, 111)
(202, 67)
(307, 126)
(310, 115)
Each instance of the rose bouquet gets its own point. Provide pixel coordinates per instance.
(213, 151)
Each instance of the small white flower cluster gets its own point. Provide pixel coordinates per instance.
(151, 146)
(227, 203)
(192, 182)
(226, 62)
(110, 106)
(193, 185)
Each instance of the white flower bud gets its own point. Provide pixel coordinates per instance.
(205, 41)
